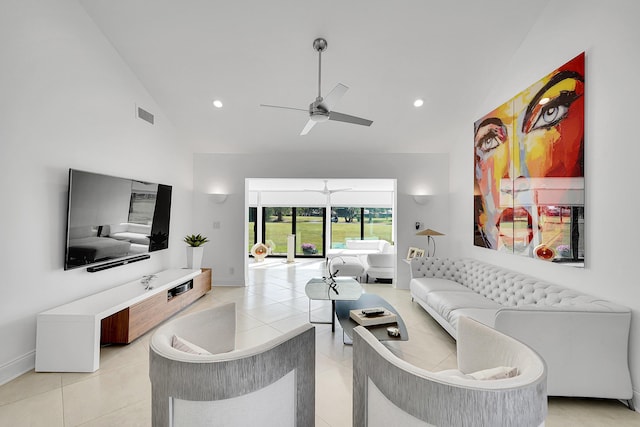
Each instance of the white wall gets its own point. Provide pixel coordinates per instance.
(226, 173)
(68, 101)
(608, 33)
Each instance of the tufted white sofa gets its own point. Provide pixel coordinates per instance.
(583, 339)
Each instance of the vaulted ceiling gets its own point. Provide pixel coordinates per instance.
(189, 52)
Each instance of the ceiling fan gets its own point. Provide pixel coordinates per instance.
(326, 190)
(321, 109)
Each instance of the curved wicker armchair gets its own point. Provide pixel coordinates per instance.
(389, 391)
(272, 384)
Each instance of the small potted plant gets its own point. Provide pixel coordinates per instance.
(309, 248)
(195, 249)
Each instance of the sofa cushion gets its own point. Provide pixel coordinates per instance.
(445, 302)
(422, 286)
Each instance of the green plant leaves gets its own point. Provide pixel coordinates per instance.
(195, 240)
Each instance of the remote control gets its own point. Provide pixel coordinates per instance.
(369, 312)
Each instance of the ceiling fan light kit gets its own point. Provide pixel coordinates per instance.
(321, 110)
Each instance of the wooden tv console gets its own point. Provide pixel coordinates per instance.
(69, 336)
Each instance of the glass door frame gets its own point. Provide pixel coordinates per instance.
(323, 247)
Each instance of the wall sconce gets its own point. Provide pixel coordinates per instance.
(218, 198)
(421, 199)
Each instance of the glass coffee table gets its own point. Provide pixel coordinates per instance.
(338, 289)
(379, 331)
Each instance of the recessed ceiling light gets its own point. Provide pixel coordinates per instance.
(418, 102)
(217, 103)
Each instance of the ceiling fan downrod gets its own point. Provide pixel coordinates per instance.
(320, 45)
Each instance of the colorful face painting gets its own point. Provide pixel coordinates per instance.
(529, 170)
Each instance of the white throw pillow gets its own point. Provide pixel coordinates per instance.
(183, 345)
(498, 373)
(453, 373)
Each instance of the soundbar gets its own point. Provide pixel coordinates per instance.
(101, 267)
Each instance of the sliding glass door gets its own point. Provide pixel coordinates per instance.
(377, 224)
(352, 223)
(277, 225)
(307, 224)
(309, 231)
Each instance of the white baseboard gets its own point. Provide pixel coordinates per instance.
(17, 367)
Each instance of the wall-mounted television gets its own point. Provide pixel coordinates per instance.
(113, 219)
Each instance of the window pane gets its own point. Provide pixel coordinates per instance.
(377, 223)
(309, 231)
(345, 225)
(277, 226)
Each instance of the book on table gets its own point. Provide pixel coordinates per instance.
(372, 316)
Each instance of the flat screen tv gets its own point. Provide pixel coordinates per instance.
(111, 218)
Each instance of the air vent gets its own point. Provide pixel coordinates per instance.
(145, 115)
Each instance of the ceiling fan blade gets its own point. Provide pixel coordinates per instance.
(340, 189)
(333, 97)
(333, 115)
(308, 127)
(284, 108)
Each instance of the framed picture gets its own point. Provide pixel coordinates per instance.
(413, 252)
(419, 253)
(529, 178)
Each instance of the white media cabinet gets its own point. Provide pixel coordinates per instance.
(69, 336)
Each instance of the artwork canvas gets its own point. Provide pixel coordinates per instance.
(529, 170)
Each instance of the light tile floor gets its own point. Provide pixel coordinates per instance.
(118, 394)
